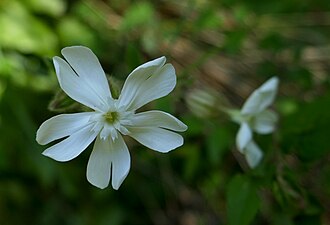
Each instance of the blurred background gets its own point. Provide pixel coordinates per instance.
(222, 50)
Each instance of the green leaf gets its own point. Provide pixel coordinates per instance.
(217, 143)
(242, 201)
(63, 103)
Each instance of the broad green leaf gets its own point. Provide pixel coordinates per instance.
(242, 201)
(217, 143)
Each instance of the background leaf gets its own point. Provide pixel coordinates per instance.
(243, 202)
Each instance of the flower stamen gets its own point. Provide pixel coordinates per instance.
(111, 117)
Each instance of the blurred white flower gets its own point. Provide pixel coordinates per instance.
(204, 102)
(254, 116)
(82, 78)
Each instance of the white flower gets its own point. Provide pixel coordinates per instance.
(254, 116)
(82, 78)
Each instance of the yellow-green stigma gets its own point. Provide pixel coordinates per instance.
(111, 117)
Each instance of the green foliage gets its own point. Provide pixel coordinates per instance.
(24, 32)
(137, 16)
(309, 140)
(242, 201)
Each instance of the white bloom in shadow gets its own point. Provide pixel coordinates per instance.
(254, 116)
(82, 78)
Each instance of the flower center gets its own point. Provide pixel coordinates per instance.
(111, 117)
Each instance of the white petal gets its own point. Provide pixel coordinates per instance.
(160, 84)
(146, 84)
(253, 154)
(108, 131)
(108, 157)
(261, 98)
(244, 136)
(61, 126)
(99, 164)
(136, 78)
(264, 122)
(77, 87)
(121, 162)
(155, 138)
(72, 146)
(158, 119)
(88, 67)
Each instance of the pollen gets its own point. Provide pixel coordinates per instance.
(111, 117)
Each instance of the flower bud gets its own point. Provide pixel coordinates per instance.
(204, 102)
